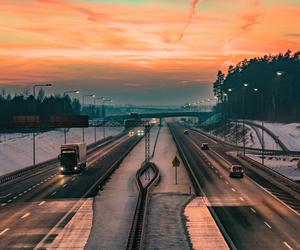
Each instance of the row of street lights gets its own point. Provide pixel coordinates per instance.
(103, 100)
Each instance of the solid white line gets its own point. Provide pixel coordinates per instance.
(233, 189)
(253, 210)
(41, 203)
(267, 224)
(25, 215)
(4, 231)
(242, 199)
(53, 193)
(287, 245)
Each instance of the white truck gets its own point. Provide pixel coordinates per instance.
(72, 157)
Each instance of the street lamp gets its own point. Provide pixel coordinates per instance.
(33, 135)
(93, 96)
(64, 95)
(244, 89)
(103, 99)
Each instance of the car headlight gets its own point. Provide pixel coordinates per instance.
(61, 168)
(75, 168)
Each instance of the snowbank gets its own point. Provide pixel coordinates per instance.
(16, 152)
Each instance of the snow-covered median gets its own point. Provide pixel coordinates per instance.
(16, 153)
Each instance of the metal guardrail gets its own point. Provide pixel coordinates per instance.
(137, 232)
(251, 150)
(39, 167)
(281, 178)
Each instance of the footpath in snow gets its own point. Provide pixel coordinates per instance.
(171, 217)
(16, 150)
(114, 205)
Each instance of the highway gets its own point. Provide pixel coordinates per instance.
(249, 217)
(33, 206)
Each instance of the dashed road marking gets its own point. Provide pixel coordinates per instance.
(233, 189)
(267, 224)
(9, 201)
(287, 245)
(3, 204)
(227, 182)
(242, 199)
(53, 193)
(4, 231)
(253, 210)
(15, 197)
(64, 185)
(4, 196)
(41, 203)
(25, 215)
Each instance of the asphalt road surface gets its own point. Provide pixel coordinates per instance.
(251, 217)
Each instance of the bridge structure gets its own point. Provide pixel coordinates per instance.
(118, 120)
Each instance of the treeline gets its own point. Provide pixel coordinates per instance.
(41, 105)
(265, 87)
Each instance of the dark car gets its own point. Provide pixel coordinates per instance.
(236, 171)
(204, 146)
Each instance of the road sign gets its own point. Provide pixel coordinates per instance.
(72, 121)
(25, 121)
(175, 162)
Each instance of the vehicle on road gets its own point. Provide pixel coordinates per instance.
(131, 133)
(186, 132)
(204, 146)
(236, 171)
(73, 157)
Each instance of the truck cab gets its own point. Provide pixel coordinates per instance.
(72, 157)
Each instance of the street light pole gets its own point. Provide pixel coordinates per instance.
(34, 113)
(103, 113)
(64, 95)
(244, 143)
(92, 95)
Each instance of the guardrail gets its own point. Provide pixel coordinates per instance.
(30, 170)
(251, 150)
(137, 232)
(281, 178)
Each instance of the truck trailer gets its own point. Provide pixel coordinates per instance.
(72, 157)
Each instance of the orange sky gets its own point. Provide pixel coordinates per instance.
(133, 44)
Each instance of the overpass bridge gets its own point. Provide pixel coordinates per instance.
(118, 120)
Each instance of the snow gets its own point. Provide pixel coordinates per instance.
(289, 133)
(114, 205)
(16, 150)
(286, 166)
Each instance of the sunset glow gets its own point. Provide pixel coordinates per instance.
(125, 42)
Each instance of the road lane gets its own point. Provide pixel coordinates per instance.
(247, 229)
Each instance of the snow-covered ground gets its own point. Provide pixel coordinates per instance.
(16, 150)
(286, 166)
(114, 205)
(289, 133)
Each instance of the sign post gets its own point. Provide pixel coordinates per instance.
(176, 164)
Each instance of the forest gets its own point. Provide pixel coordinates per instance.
(41, 105)
(265, 87)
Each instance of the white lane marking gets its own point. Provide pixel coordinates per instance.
(25, 215)
(9, 201)
(4, 196)
(216, 171)
(227, 182)
(253, 210)
(25, 191)
(267, 224)
(64, 185)
(4, 231)
(15, 197)
(221, 176)
(242, 199)
(20, 194)
(73, 178)
(53, 193)
(233, 189)
(29, 189)
(287, 245)
(3, 204)
(41, 203)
